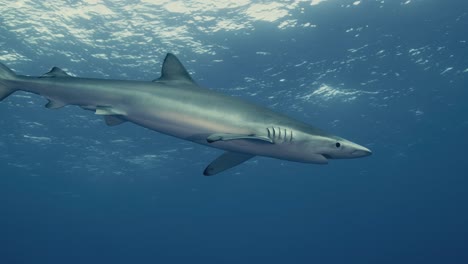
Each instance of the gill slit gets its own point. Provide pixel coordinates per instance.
(281, 134)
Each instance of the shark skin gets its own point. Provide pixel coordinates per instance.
(176, 105)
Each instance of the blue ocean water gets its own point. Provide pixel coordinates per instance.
(390, 75)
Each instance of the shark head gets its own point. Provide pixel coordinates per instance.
(334, 147)
(319, 149)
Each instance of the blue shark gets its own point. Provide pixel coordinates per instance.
(174, 104)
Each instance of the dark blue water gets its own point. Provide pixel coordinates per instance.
(390, 76)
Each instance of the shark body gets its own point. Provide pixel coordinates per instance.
(175, 105)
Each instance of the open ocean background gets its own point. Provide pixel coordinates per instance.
(391, 75)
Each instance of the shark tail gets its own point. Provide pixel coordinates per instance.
(6, 74)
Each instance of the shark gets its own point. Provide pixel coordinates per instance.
(174, 104)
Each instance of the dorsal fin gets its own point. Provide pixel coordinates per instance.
(55, 72)
(172, 70)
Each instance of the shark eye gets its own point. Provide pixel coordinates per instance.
(338, 144)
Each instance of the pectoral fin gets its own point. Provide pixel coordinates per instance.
(225, 137)
(226, 161)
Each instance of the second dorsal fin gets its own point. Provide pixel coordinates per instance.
(173, 70)
(55, 72)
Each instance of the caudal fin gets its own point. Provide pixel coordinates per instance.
(6, 74)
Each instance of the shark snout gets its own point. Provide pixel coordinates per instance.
(361, 152)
